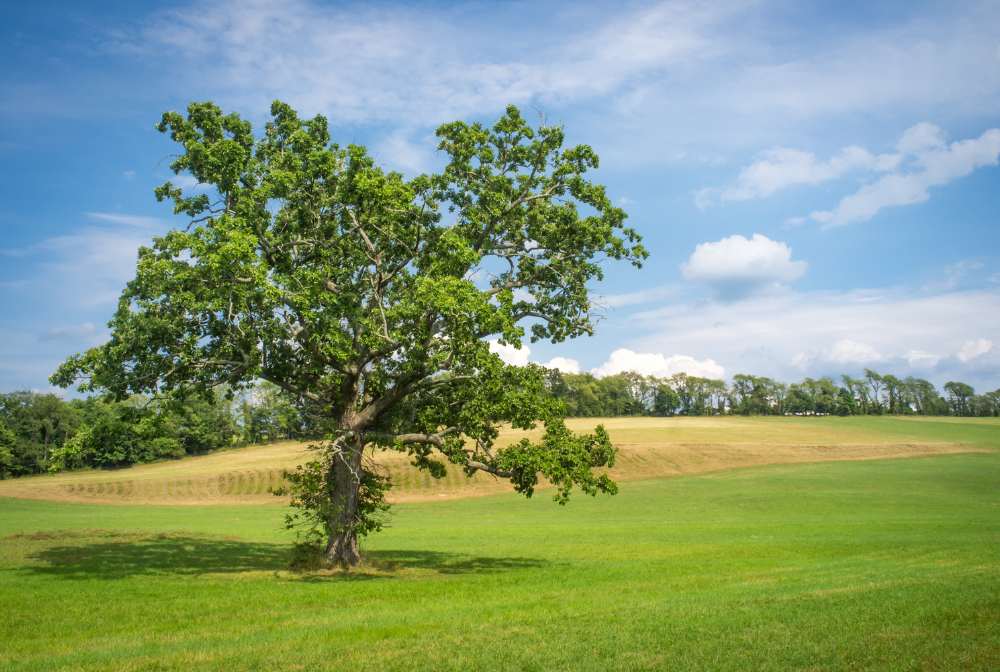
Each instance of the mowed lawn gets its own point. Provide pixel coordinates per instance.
(887, 564)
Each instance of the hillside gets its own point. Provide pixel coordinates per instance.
(648, 448)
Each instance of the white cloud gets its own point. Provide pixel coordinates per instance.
(761, 87)
(364, 63)
(974, 349)
(138, 221)
(72, 332)
(736, 265)
(563, 364)
(88, 267)
(955, 275)
(920, 138)
(846, 351)
(399, 150)
(656, 364)
(923, 160)
(635, 298)
(932, 164)
(762, 334)
(510, 354)
(918, 359)
(782, 167)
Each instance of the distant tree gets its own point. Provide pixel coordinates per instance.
(369, 298)
(959, 396)
(799, 399)
(993, 401)
(859, 390)
(894, 392)
(876, 385)
(267, 413)
(7, 441)
(845, 403)
(581, 396)
(40, 423)
(923, 397)
(667, 401)
(718, 395)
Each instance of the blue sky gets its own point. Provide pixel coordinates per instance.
(816, 183)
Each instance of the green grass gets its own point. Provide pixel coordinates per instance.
(881, 565)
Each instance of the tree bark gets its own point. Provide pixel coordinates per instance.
(344, 481)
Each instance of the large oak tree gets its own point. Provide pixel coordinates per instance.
(370, 298)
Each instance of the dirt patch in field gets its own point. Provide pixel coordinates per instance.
(247, 477)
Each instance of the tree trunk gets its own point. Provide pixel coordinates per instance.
(344, 480)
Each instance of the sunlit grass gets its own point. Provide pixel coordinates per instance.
(881, 565)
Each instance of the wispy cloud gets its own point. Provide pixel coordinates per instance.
(73, 332)
(637, 297)
(933, 163)
(361, 64)
(138, 221)
(780, 168)
(922, 160)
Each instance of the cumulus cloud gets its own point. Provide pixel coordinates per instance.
(737, 266)
(973, 349)
(564, 364)
(657, 364)
(931, 163)
(510, 354)
(817, 333)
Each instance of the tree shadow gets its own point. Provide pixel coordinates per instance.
(122, 555)
(115, 555)
(447, 563)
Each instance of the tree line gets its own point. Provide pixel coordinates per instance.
(43, 433)
(585, 395)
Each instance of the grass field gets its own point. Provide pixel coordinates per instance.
(879, 564)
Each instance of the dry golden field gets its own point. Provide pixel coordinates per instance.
(648, 448)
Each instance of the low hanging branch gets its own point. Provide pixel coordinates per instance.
(371, 298)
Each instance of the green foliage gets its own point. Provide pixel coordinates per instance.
(367, 297)
(959, 397)
(268, 414)
(40, 424)
(312, 505)
(565, 459)
(7, 443)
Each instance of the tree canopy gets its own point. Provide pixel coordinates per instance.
(369, 297)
